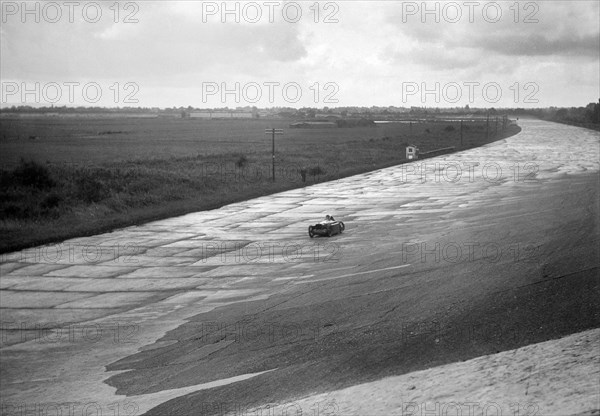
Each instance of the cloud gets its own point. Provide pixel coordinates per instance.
(549, 28)
(369, 52)
(536, 44)
(158, 45)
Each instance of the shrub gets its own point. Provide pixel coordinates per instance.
(6, 179)
(449, 128)
(303, 172)
(427, 131)
(242, 161)
(13, 211)
(316, 170)
(51, 201)
(50, 206)
(33, 174)
(90, 189)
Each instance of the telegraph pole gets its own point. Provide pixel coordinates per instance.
(273, 132)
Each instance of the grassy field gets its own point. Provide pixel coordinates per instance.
(70, 176)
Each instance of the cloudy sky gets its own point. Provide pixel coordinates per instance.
(296, 54)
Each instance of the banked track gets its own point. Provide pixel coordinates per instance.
(486, 258)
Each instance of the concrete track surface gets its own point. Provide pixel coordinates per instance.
(463, 283)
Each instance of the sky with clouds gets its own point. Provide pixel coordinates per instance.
(297, 54)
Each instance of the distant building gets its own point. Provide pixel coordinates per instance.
(200, 114)
(328, 116)
(220, 114)
(313, 125)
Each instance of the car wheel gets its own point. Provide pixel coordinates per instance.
(342, 227)
(310, 231)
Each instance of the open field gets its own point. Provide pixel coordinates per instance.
(105, 140)
(95, 174)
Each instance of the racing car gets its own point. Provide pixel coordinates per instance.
(327, 228)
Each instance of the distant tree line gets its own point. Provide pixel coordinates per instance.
(590, 114)
(80, 109)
